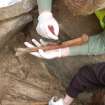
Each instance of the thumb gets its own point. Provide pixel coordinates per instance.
(51, 32)
(51, 29)
(56, 28)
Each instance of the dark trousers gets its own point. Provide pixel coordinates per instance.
(89, 77)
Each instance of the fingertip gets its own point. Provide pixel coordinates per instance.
(36, 42)
(41, 40)
(55, 37)
(52, 36)
(25, 43)
(33, 39)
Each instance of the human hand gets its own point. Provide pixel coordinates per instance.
(47, 26)
(57, 53)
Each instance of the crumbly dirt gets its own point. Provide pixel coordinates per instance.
(25, 80)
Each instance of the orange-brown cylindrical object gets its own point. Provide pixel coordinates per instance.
(75, 42)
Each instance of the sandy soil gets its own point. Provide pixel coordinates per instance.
(26, 79)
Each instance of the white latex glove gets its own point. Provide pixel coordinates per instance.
(46, 23)
(59, 102)
(6, 3)
(48, 54)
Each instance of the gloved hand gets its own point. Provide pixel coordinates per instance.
(48, 54)
(59, 102)
(47, 26)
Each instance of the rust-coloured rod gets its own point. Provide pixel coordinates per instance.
(74, 42)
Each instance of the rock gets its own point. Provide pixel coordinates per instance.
(10, 27)
(74, 26)
(84, 7)
(17, 9)
(26, 78)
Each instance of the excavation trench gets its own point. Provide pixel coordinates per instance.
(25, 80)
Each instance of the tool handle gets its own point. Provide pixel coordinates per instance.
(77, 41)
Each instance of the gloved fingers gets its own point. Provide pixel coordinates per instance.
(27, 44)
(36, 42)
(42, 53)
(43, 42)
(50, 34)
(56, 28)
(41, 30)
(44, 30)
(38, 28)
(45, 55)
(36, 54)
